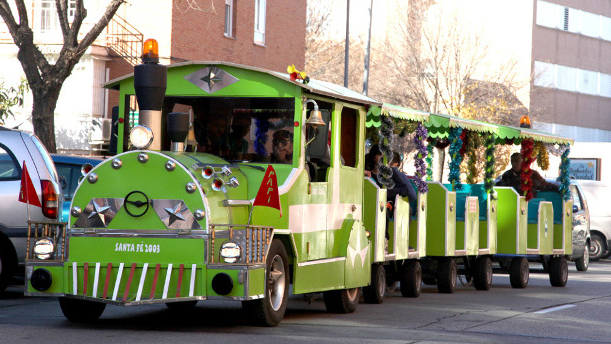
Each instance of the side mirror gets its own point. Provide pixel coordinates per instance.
(575, 208)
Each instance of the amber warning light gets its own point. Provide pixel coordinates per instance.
(150, 51)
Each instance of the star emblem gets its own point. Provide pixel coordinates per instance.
(590, 165)
(98, 211)
(362, 252)
(174, 213)
(211, 79)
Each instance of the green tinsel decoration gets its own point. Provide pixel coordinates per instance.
(429, 161)
(489, 166)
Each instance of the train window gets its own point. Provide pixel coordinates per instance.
(243, 129)
(348, 137)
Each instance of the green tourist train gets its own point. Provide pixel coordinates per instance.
(238, 183)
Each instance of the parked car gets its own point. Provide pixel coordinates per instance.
(17, 147)
(597, 194)
(69, 170)
(581, 227)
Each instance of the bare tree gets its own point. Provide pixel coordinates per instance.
(45, 78)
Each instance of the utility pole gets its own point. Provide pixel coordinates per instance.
(367, 52)
(347, 44)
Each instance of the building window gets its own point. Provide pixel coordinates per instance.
(47, 15)
(573, 20)
(260, 21)
(572, 79)
(71, 10)
(229, 18)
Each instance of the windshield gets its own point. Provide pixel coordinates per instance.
(243, 129)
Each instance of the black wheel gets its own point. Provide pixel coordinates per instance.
(375, 292)
(519, 272)
(482, 275)
(181, 306)
(341, 301)
(80, 311)
(582, 263)
(8, 264)
(411, 278)
(597, 248)
(605, 255)
(558, 271)
(447, 272)
(269, 310)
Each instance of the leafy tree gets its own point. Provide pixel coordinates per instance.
(11, 96)
(46, 78)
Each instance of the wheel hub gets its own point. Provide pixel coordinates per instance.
(276, 283)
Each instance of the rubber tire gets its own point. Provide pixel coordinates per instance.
(583, 263)
(260, 311)
(482, 275)
(181, 306)
(341, 301)
(81, 311)
(596, 248)
(558, 271)
(8, 264)
(606, 255)
(447, 273)
(519, 272)
(375, 292)
(411, 278)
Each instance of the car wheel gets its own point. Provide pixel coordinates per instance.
(375, 292)
(482, 277)
(519, 272)
(596, 247)
(79, 311)
(8, 264)
(446, 275)
(411, 278)
(605, 255)
(558, 272)
(341, 301)
(582, 263)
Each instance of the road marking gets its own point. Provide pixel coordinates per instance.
(553, 309)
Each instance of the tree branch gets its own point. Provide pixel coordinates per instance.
(62, 13)
(100, 25)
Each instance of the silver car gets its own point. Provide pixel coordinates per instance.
(17, 147)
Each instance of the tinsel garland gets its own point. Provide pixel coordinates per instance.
(429, 160)
(470, 148)
(464, 136)
(421, 154)
(261, 136)
(527, 160)
(386, 141)
(551, 148)
(564, 174)
(489, 167)
(542, 156)
(455, 158)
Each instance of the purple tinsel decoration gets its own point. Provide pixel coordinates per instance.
(261, 136)
(421, 154)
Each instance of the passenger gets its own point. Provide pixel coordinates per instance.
(208, 133)
(233, 145)
(513, 177)
(282, 143)
(402, 186)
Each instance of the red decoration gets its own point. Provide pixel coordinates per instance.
(27, 192)
(464, 137)
(267, 195)
(527, 160)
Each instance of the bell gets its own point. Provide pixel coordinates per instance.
(315, 119)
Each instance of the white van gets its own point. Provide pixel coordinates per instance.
(597, 193)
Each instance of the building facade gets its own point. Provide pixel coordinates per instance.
(263, 33)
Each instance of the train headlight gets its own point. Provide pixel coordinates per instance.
(230, 251)
(43, 248)
(141, 136)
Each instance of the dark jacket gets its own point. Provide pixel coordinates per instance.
(513, 179)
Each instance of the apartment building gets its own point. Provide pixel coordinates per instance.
(261, 33)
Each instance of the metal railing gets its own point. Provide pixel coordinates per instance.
(124, 40)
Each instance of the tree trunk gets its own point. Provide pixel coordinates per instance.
(441, 161)
(43, 115)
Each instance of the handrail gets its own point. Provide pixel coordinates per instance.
(124, 39)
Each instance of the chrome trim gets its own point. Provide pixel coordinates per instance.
(99, 212)
(322, 261)
(75, 211)
(134, 303)
(170, 165)
(143, 157)
(92, 178)
(175, 214)
(235, 202)
(191, 187)
(233, 266)
(116, 163)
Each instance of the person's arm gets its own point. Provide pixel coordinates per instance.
(541, 184)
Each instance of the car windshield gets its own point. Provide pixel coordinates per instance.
(243, 129)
